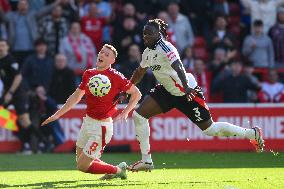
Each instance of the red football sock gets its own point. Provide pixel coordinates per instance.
(100, 167)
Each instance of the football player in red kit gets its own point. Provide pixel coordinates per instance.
(97, 126)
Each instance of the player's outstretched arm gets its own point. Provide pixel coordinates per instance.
(71, 101)
(178, 67)
(138, 74)
(135, 96)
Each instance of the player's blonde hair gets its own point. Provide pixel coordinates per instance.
(112, 48)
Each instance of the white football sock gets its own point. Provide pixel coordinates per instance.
(142, 130)
(228, 129)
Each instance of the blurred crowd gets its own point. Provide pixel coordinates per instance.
(235, 49)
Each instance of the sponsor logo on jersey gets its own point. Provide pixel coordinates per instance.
(155, 67)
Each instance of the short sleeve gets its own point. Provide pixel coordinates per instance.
(125, 84)
(143, 62)
(84, 81)
(15, 68)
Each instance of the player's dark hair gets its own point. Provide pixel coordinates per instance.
(160, 25)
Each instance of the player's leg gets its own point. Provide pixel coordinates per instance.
(199, 113)
(226, 129)
(78, 152)
(152, 105)
(97, 136)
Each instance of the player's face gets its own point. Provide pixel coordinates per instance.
(105, 58)
(150, 36)
(3, 48)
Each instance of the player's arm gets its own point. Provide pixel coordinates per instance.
(178, 67)
(71, 101)
(135, 96)
(138, 75)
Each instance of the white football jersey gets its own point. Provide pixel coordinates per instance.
(159, 60)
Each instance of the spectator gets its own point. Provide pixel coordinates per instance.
(35, 5)
(70, 10)
(41, 107)
(188, 59)
(33, 72)
(92, 26)
(248, 70)
(181, 26)
(199, 13)
(263, 10)
(15, 93)
(62, 81)
(23, 29)
(220, 37)
(3, 27)
(132, 62)
(220, 62)
(53, 28)
(277, 35)
(221, 7)
(104, 11)
(83, 8)
(235, 85)
(258, 47)
(79, 50)
(163, 15)
(143, 10)
(202, 77)
(272, 90)
(124, 37)
(5, 6)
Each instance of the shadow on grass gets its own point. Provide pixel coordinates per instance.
(72, 184)
(98, 183)
(52, 162)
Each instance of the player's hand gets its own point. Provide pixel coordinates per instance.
(122, 116)
(48, 120)
(190, 94)
(122, 96)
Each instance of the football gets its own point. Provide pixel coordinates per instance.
(99, 85)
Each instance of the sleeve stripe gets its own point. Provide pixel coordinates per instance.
(164, 46)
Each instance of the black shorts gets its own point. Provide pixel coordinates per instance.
(20, 101)
(196, 110)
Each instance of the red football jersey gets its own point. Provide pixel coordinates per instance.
(103, 107)
(93, 27)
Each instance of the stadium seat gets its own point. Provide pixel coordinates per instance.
(199, 42)
(201, 53)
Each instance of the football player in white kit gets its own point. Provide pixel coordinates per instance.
(177, 89)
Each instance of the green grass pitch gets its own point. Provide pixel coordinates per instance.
(173, 170)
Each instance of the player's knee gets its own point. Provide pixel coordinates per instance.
(212, 131)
